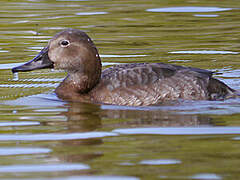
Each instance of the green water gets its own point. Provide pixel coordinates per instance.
(44, 137)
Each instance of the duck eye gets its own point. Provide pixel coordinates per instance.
(64, 43)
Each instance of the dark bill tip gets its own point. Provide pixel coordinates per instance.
(41, 61)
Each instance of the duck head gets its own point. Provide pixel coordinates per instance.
(73, 51)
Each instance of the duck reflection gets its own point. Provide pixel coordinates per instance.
(83, 117)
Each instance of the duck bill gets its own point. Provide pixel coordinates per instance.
(41, 61)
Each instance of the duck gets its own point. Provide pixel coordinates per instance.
(132, 84)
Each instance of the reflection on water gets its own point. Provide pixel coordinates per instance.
(160, 162)
(181, 131)
(9, 66)
(98, 178)
(203, 52)
(27, 85)
(15, 77)
(206, 15)
(89, 116)
(189, 9)
(42, 168)
(54, 137)
(90, 13)
(206, 176)
(6, 151)
(93, 133)
(178, 140)
(113, 56)
(19, 123)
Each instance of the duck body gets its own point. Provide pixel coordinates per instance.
(143, 84)
(137, 84)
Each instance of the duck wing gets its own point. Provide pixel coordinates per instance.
(144, 73)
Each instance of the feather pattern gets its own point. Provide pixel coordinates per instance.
(143, 84)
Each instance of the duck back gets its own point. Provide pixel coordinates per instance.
(143, 84)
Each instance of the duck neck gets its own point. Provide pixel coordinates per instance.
(78, 83)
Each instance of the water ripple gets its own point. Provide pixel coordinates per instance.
(54, 137)
(98, 178)
(189, 9)
(9, 65)
(29, 85)
(206, 15)
(160, 162)
(180, 130)
(6, 151)
(42, 168)
(21, 123)
(90, 13)
(203, 52)
(71, 0)
(130, 55)
(206, 176)
(236, 138)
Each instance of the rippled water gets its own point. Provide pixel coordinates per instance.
(43, 137)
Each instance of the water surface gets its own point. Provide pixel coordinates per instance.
(43, 137)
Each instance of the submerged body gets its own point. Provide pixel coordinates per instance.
(138, 84)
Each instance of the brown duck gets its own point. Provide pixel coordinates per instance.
(138, 84)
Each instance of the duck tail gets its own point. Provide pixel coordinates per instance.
(220, 91)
